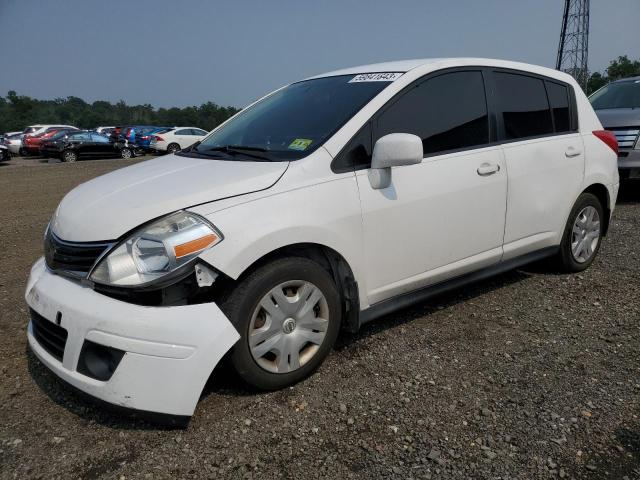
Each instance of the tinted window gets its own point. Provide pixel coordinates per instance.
(80, 137)
(559, 100)
(523, 105)
(199, 132)
(96, 137)
(448, 112)
(184, 131)
(357, 153)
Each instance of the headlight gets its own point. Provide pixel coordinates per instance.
(156, 250)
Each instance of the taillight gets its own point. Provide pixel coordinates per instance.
(158, 139)
(609, 138)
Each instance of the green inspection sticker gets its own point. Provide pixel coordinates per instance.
(300, 144)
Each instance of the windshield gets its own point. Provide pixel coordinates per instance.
(617, 95)
(294, 121)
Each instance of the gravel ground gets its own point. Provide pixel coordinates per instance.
(528, 375)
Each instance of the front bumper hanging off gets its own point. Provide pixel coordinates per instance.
(167, 353)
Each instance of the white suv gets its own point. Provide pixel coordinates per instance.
(176, 139)
(325, 204)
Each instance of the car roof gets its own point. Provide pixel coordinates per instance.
(403, 66)
(628, 79)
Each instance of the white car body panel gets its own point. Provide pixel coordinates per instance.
(438, 220)
(542, 183)
(134, 195)
(14, 145)
(433, 214)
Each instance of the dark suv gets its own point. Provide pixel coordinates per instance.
(618, 107)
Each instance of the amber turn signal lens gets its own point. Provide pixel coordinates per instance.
(194, 246)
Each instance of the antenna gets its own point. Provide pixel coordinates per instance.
(573, 50)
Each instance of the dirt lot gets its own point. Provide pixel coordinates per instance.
(529, 375)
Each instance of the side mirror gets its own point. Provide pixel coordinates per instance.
(393, 150)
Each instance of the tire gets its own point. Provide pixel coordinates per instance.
(576, 255)
(126, 153)
(173, 148)
(69, 156)
(289, 359)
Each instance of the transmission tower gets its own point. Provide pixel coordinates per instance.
(573, 49)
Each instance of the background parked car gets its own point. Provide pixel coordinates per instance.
(618, 108)
(144, 136)
(4, 153)
(80, 145)
(104, 130)
(177, 138)
(40, 128)
(53, 146)
(31, 143)
(13, 143)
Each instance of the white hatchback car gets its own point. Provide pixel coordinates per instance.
(325, 204)
(177, 138)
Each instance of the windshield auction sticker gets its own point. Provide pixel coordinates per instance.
(300, 144)
(376, 77)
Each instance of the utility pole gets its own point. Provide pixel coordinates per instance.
(573, 50)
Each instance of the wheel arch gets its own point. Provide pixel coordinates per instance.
(601, 192)
(330, 260)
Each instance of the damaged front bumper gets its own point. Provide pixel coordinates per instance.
(163, 355)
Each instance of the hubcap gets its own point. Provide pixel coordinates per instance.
(288, 326)
(126, 154)
(69, 156)
(585, 234)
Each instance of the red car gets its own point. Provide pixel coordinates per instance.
(31, 143)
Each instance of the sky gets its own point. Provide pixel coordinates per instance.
(187, 52)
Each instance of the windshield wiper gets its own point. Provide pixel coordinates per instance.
(241, 149)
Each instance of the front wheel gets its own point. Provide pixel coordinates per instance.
(582, 234)
(69, 156)
(288, 316)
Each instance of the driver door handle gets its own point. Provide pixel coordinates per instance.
(487, 169)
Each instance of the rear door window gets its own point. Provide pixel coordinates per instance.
(522, 106)
(448, 112)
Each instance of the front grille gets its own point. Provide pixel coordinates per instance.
(50, 336)
(72, 258)
(626, 136)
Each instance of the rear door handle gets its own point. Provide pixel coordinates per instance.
(487, 169)
(572, 152)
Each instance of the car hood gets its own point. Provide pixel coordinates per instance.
(109, 206)
(619, 117)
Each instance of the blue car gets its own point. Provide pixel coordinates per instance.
(141, 135)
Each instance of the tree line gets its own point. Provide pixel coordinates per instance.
(619, 68)
(19, 111)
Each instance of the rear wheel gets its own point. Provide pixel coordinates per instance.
(288, 316)
(69, 156)
(582, 234)
(173, 148)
